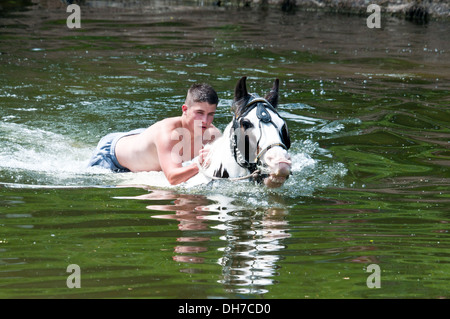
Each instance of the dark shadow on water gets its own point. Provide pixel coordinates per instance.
(12, 6)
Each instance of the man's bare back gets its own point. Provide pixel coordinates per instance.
(140, 152)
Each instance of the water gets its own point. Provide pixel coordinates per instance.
(368, 115)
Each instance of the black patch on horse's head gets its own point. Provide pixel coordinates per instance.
(242, 97)
(246, 124)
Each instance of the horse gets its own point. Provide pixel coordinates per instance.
(254, 145)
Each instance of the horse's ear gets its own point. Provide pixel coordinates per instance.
(272, 96)
(240, 94)
(240, 91)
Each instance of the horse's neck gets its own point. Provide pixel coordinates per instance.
(222, 158)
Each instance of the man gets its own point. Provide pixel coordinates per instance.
(167, 143)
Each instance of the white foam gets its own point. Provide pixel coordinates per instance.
(34, 149)
(36, 156)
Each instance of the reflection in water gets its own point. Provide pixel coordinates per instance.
(252, 237)
(188, 210)
(252, 240)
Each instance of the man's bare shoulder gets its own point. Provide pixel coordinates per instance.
(167, 125)
(172, 122)
(215, 130)
(162, 130)
(211, 134)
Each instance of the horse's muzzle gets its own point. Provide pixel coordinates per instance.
(278, 175)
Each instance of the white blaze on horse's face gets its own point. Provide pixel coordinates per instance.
(273, 156)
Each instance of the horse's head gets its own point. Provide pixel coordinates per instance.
(259, 135)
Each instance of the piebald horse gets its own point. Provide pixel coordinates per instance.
(254, 145)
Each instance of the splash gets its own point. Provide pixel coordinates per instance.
(34, 156)
(30, 155)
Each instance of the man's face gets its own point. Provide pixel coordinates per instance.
(199, 115)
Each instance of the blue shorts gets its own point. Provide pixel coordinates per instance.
(105, 153)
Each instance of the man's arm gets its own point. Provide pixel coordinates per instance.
(180, 174)
(171, 160)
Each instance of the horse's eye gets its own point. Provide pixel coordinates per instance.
(246, 124)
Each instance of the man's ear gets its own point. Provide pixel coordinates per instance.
(184, 108)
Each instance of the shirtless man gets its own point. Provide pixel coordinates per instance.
(167, 143)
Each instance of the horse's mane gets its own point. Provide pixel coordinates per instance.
(239, 106)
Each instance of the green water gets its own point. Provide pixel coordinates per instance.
(368, 116)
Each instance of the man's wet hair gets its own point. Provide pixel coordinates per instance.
(201, 92)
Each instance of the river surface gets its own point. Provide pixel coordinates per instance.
(368, 114)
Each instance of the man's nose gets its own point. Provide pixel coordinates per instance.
(204, 118)
(200, 121)
(207, 120)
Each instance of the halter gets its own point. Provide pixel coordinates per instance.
(264, 116)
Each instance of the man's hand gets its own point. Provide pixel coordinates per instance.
(202, 157)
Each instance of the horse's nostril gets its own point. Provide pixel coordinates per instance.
(277, 161)
(283, 169)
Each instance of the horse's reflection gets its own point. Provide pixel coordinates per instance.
(252, 237)
(249, 259)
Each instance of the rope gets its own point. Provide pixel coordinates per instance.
(203, 171)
